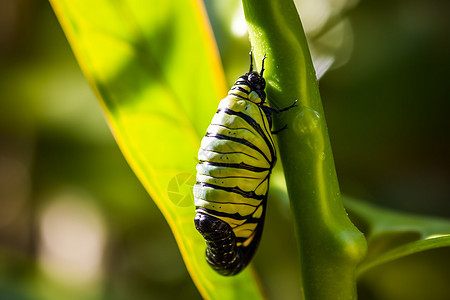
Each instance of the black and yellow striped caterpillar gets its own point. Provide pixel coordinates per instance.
(236, 158)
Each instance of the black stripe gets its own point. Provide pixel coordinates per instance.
(237, 140)
(235, 216)
(267, 178)
(236, 190)
(235, 87)
(243, 82)
(236, 166)
(236, 95)
(230, 177)
(253, 220)
(231, 128)
(236, 152)
(263, 110)
(233, 203)
(255, 126)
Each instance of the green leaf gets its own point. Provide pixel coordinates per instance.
(155, 69)
(392, 235)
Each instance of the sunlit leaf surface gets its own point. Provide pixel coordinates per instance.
(155, 69)
(392, 235)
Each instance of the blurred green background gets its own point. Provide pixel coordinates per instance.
(76, 224)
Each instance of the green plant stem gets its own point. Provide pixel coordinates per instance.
(330, 246)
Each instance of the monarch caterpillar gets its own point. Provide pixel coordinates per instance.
(236, 158)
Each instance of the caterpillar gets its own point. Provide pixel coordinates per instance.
(236, 157)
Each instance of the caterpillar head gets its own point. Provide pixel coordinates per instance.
(256, 80)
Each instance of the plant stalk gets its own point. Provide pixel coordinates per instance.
(330, 246)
